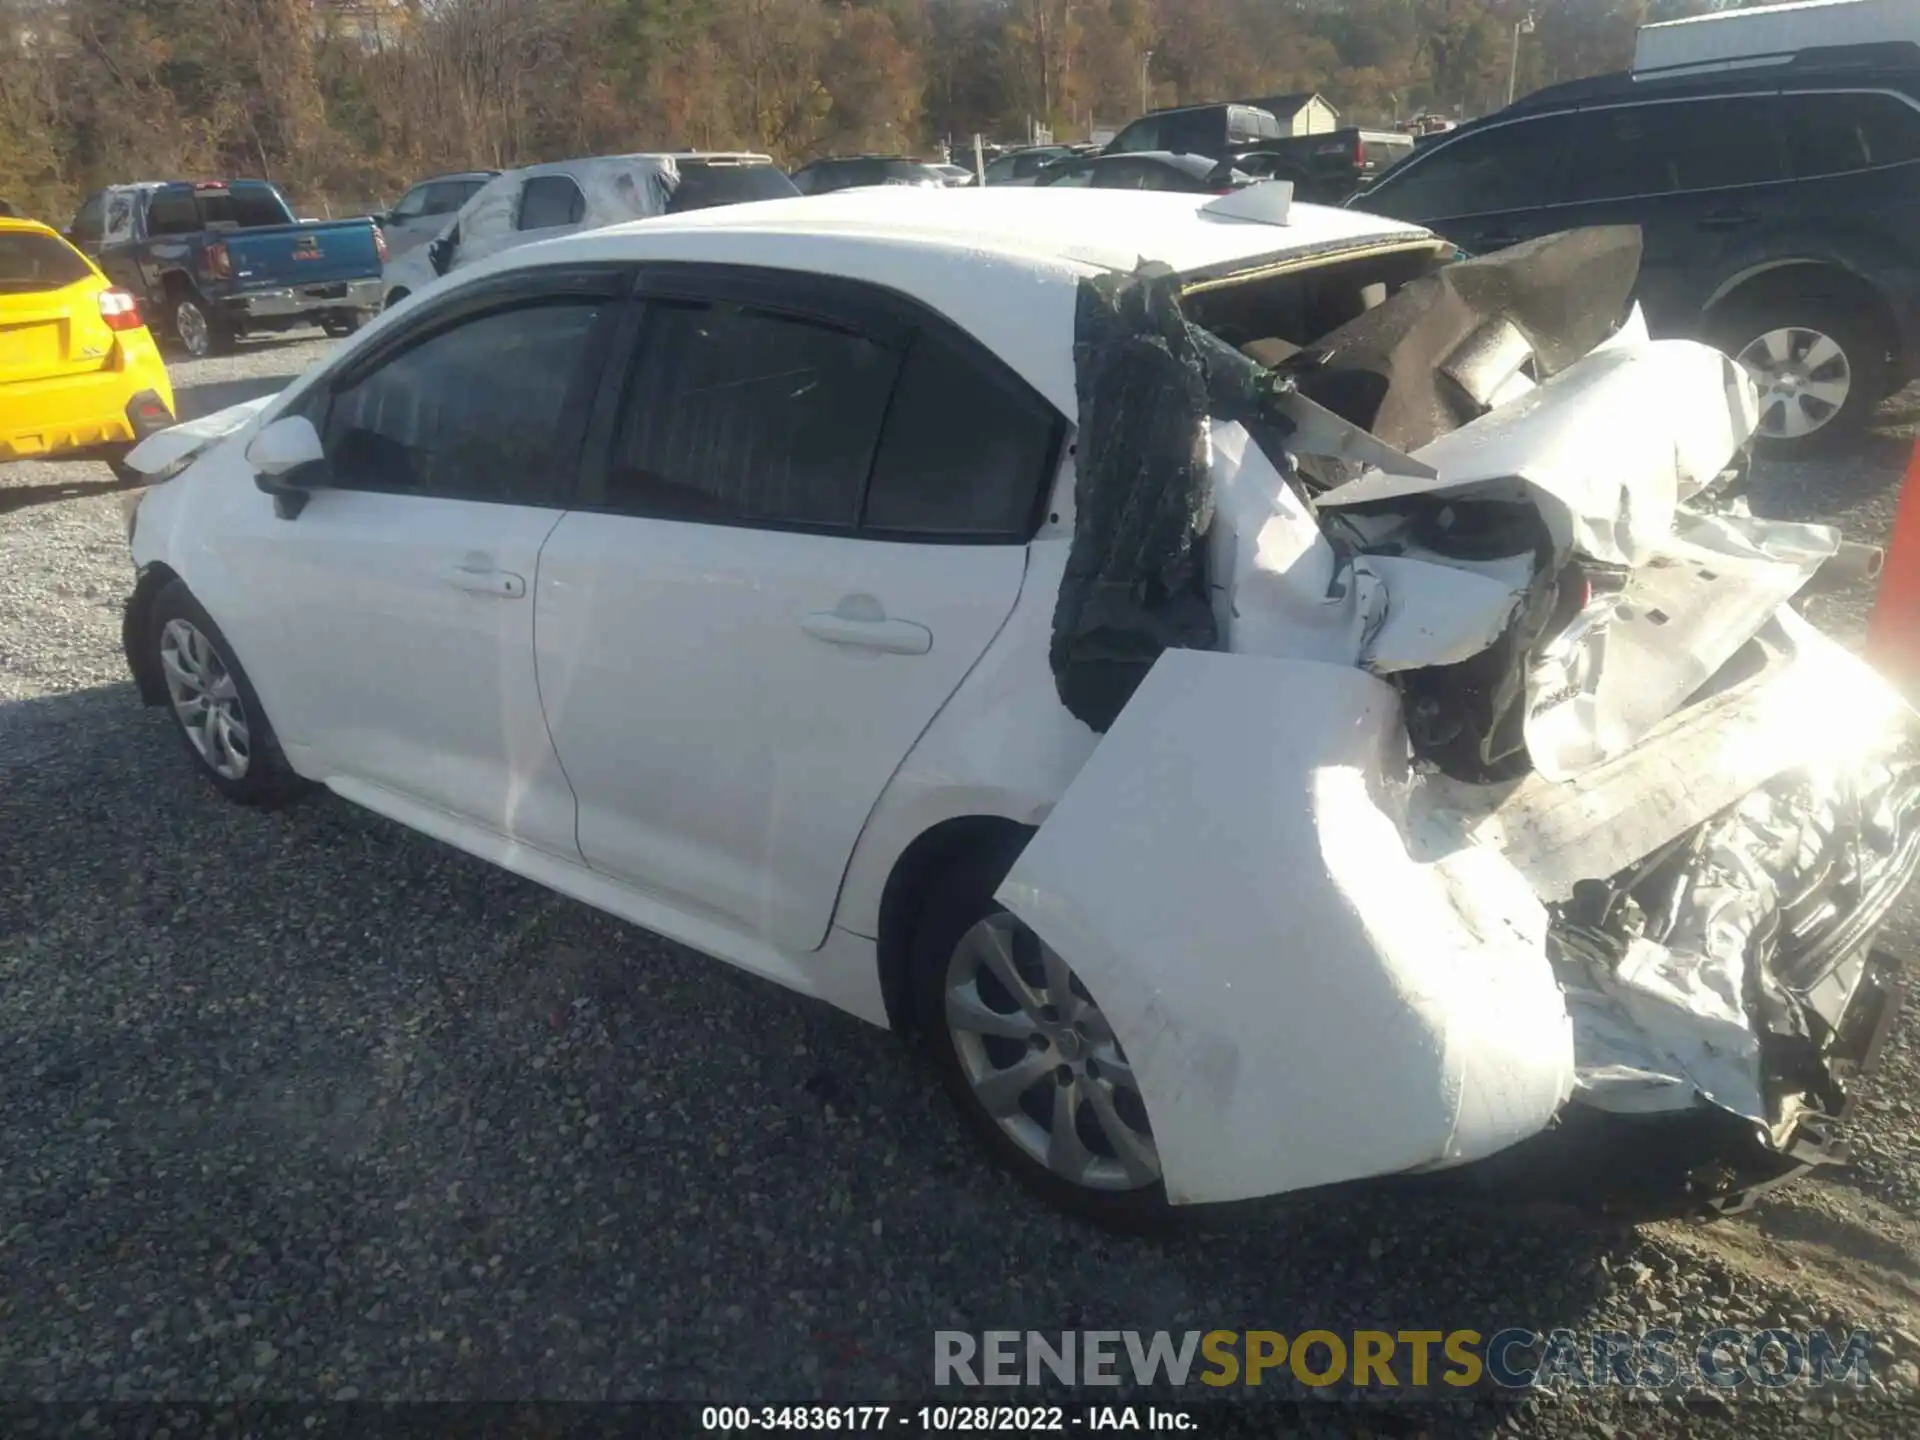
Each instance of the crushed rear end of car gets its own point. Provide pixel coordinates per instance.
(1506, 819)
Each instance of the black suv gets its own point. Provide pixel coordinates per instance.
(1779, 205)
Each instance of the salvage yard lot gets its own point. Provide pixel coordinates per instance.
(309, 1105)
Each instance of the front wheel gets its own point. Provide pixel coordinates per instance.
(1029, 1059)
(214, 706)
(1820, 366)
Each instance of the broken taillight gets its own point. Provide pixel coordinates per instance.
(120, 310)
(219, 262)
(380, 243)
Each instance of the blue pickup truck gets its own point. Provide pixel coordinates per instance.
(214, 260)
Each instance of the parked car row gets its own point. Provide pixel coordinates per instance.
(1779, 204)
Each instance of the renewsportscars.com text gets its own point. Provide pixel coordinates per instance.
(1512, 1358)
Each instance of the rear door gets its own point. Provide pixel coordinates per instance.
(50, 323)
(1485, 190)
(808, 523)
(401, 596)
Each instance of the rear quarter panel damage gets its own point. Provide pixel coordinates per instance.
(1303, 1001)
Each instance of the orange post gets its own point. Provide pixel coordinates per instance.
(1893, 629)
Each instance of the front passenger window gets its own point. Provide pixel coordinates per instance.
(475, 412)
(1509, 167)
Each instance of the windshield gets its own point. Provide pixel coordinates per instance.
(31, 261)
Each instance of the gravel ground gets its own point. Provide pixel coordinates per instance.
(306, 1106)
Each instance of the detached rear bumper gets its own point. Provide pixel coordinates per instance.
(295, 301)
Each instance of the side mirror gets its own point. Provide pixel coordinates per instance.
(288, 463)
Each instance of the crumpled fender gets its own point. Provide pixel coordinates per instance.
(1301, 1000)
(167, 452)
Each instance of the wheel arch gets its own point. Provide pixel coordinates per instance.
(915, 871)
(1808, 277)
(134, 626)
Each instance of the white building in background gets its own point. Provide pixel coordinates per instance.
(1728, 38)
(1303, 113)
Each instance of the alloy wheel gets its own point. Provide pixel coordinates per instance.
(205, 698)
(1804, 378)
(190, 324)
(1042, 1060)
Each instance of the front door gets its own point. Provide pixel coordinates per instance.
(1484, 191)
(810, 522)
(1704, 179)
(402, 594)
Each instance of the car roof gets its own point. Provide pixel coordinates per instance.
(1004, 263)
(457, 175)
(582, 163)
(1181, 159)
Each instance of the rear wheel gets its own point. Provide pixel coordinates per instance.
(342, 322)
(200, 328)
(1027, 1056)
(396, 295)
(214, 706)
(1819, 364)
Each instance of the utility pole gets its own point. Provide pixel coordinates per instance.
(1146, 59)
(1522, 26)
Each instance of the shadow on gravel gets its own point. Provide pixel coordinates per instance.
(20, 497)
(301, 1100)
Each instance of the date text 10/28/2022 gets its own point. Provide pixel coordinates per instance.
(1004, 1419)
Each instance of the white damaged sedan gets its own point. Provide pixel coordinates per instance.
(1263, 701)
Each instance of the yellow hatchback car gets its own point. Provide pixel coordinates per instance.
(78, 370)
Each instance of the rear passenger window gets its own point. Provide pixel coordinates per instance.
(172, 212)
(967, 447)
(1832, 134)
(745, 415)
(547, 201)
(1662, 149)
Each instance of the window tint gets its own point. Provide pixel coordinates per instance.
(738, 414)
(1143, 134)
(1831, 134)
(1166, 177)
(1661, 149)
(702, 186)
(1192, 131)
(1078, 175)
(412, 204)
(1510, 167)
(966, 450)
(31, 261)
(550, 200)
(244, 206)
(172, 212)
(87, 222)
(476, 412)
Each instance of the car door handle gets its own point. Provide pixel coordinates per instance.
(479, 579)
(1727, 219)
(895, 637)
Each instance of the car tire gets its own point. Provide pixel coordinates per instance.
(395, 296)
(199, 328)
(1062, 1041)
(1820, 364)
(340, 323)
(231, 741)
